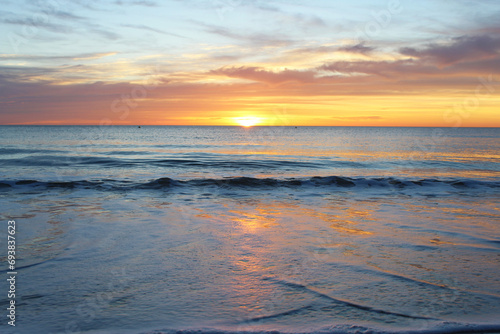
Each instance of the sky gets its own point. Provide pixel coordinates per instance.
(236, 62)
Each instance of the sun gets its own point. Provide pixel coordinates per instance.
(247, 121)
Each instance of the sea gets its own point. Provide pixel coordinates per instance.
(214, 229)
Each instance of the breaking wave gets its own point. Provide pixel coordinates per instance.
(250, 183)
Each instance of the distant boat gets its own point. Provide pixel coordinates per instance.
(139, 126)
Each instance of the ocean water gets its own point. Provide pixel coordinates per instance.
(165, 229)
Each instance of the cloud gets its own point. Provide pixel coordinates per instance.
(65, 15)
(305, 21)
(261, 75)
(331, 49)
(489, 30)
(384, 77)
(106, 34)
(380, 68)
(87, 4)
(313, 50)
(268, 7)
(259, 39)
(461, 49)
(85, 56)
(225, 57)
(14, 75)
(24, 98)
(52, 27)
(464, 56)
(144, 3)
(483, 66)
(357, 48)
(147, 28)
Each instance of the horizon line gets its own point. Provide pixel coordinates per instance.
(253, 126)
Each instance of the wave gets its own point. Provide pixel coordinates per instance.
(11, 151)
(193, 162)
(442, 327)
(323, 295)
(250, 183)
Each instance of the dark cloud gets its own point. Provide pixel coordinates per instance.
(357, 48)
(18, 74)
(430, 63)
(462, 48)
(261, 75)
(381, 68)
(483, 66)
(490, 30)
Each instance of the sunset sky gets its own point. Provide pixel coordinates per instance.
(229, 62)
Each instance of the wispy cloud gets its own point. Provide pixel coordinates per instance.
(302, 21)
(52, 27)
(106, 33)
(64, 15)
(259, 39)
(92, 5)
(84, 56)
(137, 3)
(148, 28)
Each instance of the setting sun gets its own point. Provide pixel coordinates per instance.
(247, 121)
